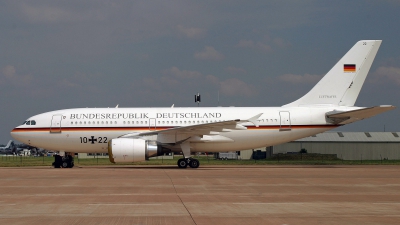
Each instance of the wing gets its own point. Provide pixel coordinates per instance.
(347, 117)
(208, 132)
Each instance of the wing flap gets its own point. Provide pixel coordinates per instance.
(339, 117)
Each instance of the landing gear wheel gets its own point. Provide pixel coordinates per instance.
(194, 163)
(182, 163)
(67, 162)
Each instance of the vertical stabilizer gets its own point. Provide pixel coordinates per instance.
(10, 144)
(342, 84)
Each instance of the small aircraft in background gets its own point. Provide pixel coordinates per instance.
(9, 149)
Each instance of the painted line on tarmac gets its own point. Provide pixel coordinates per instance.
(123, 204)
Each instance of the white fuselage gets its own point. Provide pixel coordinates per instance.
(88, 130)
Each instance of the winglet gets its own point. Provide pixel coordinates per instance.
(254, 119)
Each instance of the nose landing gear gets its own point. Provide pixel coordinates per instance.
(66, 161)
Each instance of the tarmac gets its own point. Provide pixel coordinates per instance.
(207, 195)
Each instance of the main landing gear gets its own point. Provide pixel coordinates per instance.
(184, 162)
(66, 161)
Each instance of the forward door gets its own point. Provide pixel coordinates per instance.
(56, 124)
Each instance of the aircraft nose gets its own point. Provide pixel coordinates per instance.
(16, 134)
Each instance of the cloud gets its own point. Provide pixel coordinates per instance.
(254, 45)
(9, 72)
(280, 42)
(191, 32)
(235, 70)
(209, 53)
(182, 74)
(299, 79)
(213, 80)
(389, 73)
(236, 87)
(266, 45)
(10, 77)
(174, 81)
(50, 14)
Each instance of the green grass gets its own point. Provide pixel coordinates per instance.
(18, 161)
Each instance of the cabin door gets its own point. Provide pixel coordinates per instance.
(285, 121)
(152, 124)
(56, 124)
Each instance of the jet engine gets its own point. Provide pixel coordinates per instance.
(127, 150)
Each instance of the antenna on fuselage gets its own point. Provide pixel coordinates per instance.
(197, 99)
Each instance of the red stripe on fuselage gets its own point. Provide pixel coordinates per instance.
(128, 129)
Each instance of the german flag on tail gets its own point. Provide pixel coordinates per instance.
(349, 68)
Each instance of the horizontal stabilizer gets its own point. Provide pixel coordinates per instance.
(339, 117)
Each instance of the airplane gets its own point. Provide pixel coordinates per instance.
(9, 149)
(136, 134)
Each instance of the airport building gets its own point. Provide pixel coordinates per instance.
(346, 145)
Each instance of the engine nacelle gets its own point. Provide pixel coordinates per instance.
(126, 150)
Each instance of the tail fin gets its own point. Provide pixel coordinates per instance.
(342, 84)
(10, 144)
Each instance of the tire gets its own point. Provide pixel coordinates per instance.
(182, 163)
(65, 164)
(194, 163)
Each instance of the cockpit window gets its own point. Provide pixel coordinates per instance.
(29, 122)
(24, 122)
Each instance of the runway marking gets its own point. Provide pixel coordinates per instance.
(387, 203)
(269, 203)
(123, 204)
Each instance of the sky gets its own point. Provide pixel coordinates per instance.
(71, 54)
